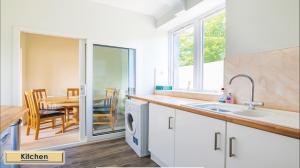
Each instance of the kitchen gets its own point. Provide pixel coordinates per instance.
(199, 83)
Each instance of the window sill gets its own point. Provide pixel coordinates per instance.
(207, 96)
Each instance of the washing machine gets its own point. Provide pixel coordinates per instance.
(137, 123)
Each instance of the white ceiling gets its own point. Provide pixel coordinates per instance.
(155, 8)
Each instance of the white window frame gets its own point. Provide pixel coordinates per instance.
(197, 23)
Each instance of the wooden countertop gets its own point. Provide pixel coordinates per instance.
(10, 114)
(177, 103)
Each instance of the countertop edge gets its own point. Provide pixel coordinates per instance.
(18, 113)
(269, 127)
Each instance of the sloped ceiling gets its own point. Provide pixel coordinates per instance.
(154, 8)
(167, 13)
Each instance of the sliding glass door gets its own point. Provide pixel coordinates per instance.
(113, 78)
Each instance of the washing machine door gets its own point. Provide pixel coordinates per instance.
(130, 123)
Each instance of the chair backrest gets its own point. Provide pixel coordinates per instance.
(39, 95)
(110, 92)
(114, 101)
(31, 103)
(26, 100)
(72, 92)
(27, 104)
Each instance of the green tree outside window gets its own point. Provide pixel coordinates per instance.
(213, 38)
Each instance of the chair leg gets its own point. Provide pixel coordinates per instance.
(28, 125)
(76, 115)
(67, 117)
(53, 123)
(112, 121)
(27, 129)
(37, 131)
(63, 124)
(67, 114)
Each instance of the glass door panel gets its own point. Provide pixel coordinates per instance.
(113, 79)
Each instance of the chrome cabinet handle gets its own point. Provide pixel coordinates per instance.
(231, 154)
(216, 141)
(170, 118)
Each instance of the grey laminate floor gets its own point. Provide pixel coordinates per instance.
(114, 153)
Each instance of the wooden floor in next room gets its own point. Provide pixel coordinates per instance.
(48, 137)
(113, 153)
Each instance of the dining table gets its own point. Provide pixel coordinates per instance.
(71, 102)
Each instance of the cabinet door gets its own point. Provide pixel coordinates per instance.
(251, 148)
(199, 141)
(161, 134)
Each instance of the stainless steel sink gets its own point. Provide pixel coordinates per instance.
(251, 113)
(224, 108)
(213, 107)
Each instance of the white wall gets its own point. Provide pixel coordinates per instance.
(44, 57)
(81, 18)
(259, 25)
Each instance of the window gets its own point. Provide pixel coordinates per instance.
(184, 40)
(198, 54)
(213, 52)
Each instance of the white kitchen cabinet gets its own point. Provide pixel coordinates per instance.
(161, 134)
(249, 148)
(199, 141)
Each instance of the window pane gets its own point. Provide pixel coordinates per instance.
(214, 51)
(184, 66)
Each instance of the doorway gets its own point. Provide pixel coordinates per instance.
(53, 64)
(113, 78)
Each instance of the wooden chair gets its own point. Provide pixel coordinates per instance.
(107, 112)
(41, 94)
(72, 92)
(28, 116)
(37, 117)
(109, 92)
(105, 103)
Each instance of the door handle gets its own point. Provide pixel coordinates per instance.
(170, 127)
(82, 90)
(216, 141)
(231, 154)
